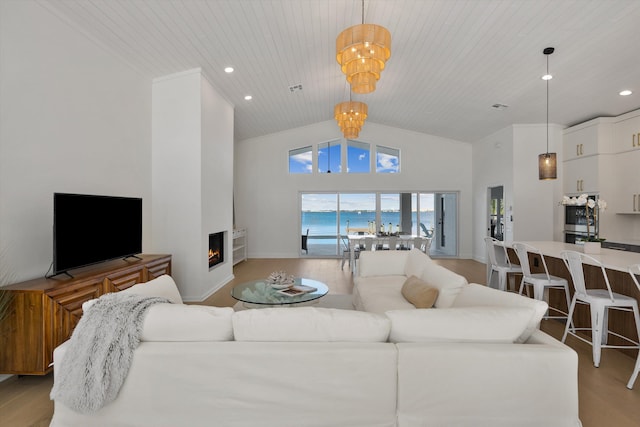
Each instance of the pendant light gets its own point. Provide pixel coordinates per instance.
(547, 163)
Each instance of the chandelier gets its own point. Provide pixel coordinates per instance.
(350, 116)
(362, 51)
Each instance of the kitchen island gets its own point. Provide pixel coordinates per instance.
(616, 264)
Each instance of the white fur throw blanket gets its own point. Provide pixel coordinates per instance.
(100, 351)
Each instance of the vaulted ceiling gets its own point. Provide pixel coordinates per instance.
(451, 59)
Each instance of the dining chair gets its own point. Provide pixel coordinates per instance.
(392, 243)
(501, 266)
(600, 301)
(347, 247)
(305, 238)
(634, 271)
(540, 282)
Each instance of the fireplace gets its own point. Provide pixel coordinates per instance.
(216, 249)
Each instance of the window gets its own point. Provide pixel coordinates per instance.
(301, 160)
(329, 160)
(358, 157)
(387, 160)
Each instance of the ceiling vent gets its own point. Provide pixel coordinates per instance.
(499, 106)
(295, 88)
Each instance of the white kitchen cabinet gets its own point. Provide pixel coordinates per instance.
(588, 139)
(582, 175)
(627, 188)
(627, 132)
(239, 245)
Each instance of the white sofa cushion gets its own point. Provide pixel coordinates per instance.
(415, 262)
(446, 281)
(162, 286)
(309, 324)
(380, 294)
(474, 295)
(382, 263)
(469, 324)
(181, 322)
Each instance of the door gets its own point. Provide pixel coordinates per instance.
(495, 217)
(445, 239)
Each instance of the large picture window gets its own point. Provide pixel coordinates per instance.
(331, 216)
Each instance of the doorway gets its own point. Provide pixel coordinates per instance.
(495, 217)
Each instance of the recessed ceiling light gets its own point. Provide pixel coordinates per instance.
(228, 70)
(547, 77)
(625, 92)
(248, 98)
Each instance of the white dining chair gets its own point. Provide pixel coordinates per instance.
(540, 282)
(600, 301)
(393, 242)
(634, 271)
(501, 266)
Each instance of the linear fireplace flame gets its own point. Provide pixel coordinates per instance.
(216, 249)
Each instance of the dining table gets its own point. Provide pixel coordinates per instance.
(358, 240)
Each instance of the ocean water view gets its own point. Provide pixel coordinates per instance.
(323, 223)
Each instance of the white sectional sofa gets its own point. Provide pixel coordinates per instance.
(381, 275)
(307, 366)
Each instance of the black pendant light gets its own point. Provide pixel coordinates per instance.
(547, 163)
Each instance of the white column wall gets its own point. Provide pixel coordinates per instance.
(492, 167)
(73, 118)
(509, 158)
(192, 177)
(267, 197)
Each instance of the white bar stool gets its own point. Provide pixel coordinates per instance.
(634, 270)
(600, 301)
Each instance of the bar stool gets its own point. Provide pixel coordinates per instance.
(540, 282)
(634, 270)
(503, 266)
(600, 301)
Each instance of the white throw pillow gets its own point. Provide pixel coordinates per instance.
(181, 322)
(474, 295)
(448, 283)
(162, 286)
(309, 324)
(470, 324)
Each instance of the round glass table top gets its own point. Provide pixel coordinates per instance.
(260, 292)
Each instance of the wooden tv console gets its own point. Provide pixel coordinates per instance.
(44, 311)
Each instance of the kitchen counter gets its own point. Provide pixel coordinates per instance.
(610, 258)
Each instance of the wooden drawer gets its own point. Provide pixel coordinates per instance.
(158, 268)
(124, 279)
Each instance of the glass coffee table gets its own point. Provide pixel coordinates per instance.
(258, 293)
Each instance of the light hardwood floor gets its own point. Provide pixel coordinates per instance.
(604, 399)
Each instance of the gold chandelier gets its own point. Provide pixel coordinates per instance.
(362, 51)
(350, 116)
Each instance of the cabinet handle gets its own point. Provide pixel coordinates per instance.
(581, 149)
(635, 198)
(633, 140)
(577, 149)
(578, 187)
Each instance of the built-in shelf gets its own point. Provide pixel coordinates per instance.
(239, 245)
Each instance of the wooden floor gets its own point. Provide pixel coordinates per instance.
(604, 399)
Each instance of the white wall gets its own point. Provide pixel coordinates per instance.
(192, 179)
(267, 197)
(509, 158)
(73, 118)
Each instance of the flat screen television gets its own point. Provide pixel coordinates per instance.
(89, 229)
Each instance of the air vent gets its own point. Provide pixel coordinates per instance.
(499, 106)
(295, 88)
